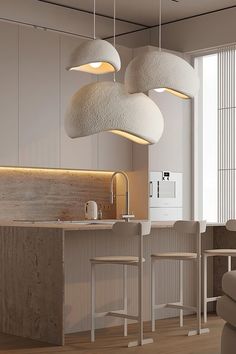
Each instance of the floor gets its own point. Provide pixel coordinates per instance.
(168, 339)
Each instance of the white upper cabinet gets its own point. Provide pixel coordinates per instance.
(8, 94)
(114, 152)
(38, 98)
(82, 152)
(167, 154)
(35, 92)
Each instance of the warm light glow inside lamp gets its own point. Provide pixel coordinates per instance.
(161, 71)
(96, 56)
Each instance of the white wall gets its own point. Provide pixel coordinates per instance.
(173, 151)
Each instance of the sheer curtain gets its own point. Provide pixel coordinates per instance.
(215, 134)
(226, 133)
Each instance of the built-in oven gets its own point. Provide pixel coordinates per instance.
(165, 196)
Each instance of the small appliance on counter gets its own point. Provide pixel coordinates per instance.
(91, 210)
(165, 196)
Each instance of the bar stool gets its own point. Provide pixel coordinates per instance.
(139, 229)
(229, 253)
(195, 228)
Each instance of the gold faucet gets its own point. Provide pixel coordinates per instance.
(127, 215)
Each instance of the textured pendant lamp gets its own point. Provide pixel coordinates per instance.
(161, 71)
(95, 57)
(106, 106)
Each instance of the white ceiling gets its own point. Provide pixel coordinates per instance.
(146, 11)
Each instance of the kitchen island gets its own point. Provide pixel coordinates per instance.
(45, 275)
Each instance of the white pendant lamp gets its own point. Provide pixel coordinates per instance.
(106, 106)
(95, 57)
(161, 71)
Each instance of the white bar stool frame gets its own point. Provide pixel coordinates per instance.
(139, 229)
(229, 253)
(188, 227)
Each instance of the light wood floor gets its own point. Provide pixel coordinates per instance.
(168, 339)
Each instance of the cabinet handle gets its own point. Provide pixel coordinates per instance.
(150, 189)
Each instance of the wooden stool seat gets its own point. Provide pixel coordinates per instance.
(116, 260)
(175, 255)
(221, 252)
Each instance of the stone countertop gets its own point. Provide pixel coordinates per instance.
(76, 225)
(84, 224)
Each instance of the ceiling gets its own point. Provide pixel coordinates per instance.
(145, 12)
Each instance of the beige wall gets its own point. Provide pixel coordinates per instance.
(173, 151)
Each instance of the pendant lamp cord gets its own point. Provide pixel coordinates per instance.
(94, 19)
(114, 32)
(160, 19)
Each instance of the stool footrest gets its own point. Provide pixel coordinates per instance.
(214, 298)
(196, 332)
(143, 342)
(122, 315)
(177, 305)
(103, 314)
(160, 306)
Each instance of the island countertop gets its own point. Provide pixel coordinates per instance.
(83, 224)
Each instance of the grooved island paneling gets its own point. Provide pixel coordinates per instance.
(223, 239)
(38, 194)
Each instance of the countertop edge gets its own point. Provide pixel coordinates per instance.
(85, 227)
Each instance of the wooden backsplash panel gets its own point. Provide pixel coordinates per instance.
(37, 194)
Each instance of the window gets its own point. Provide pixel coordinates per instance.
(215, 114)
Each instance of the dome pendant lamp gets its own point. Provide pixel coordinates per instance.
(161, 71)
(107, 107)
(95, 57)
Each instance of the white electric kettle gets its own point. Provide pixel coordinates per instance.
(91, 210)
